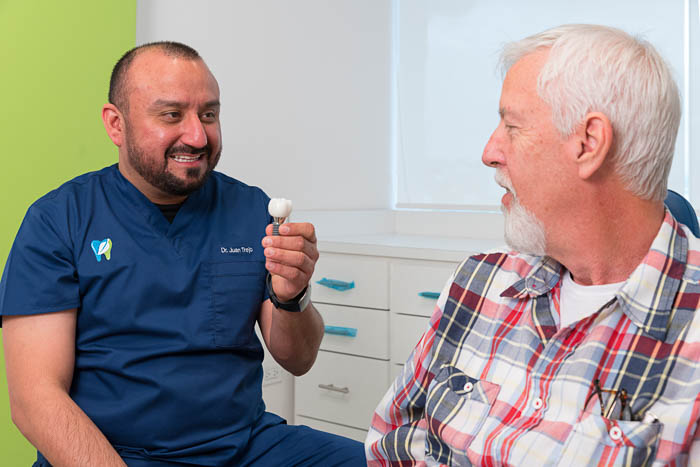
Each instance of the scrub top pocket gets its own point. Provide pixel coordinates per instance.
(237, 291)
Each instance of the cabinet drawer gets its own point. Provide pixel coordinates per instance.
(371, 329)
(405, 333)
(369, 277)
(328, 427)
(411, 278)
(342, 389)
(395, 371)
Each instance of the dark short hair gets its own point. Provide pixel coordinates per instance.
(118, 81)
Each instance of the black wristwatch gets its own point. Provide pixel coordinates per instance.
(298, 303)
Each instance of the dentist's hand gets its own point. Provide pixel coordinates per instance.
(290, 258)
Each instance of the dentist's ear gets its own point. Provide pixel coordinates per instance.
(596, 138)
(114, 123)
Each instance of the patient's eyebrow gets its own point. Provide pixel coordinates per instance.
(505, 112)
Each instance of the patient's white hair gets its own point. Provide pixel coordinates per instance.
(602, 69)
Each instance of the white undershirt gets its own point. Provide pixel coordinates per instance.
(578, 301)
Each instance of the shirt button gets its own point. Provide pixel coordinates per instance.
(537, 404)
(615, 433)
(469, 387)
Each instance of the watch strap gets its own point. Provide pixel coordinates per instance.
(298, 303)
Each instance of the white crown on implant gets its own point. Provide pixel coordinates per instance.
(279, 207)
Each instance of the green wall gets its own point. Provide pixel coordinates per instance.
(55, 62)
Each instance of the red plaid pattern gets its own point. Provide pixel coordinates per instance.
(495, 381)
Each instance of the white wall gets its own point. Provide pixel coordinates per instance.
(305, 89)
(449, 87)
(307, 95)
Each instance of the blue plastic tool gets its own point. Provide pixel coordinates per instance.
(433, 295)
(336, 284)
(341, 331)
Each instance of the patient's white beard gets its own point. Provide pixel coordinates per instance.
(523, 231)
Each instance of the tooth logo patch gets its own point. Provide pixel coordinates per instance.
(100, 248)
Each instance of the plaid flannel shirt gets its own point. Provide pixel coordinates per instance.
(494, 381)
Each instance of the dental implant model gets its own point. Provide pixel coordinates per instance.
(279, 209)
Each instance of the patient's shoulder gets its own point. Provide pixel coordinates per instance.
(500, 262)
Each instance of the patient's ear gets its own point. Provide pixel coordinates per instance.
(114, 123)
(596, 137)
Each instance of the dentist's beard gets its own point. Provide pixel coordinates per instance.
(524, 233)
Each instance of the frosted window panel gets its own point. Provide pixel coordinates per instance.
(448, 85)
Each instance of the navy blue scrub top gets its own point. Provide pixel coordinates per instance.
(167, 362)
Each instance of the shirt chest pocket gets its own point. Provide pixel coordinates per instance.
(598, 440)
(237, 290)
(457, 406)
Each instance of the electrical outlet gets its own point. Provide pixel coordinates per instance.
(272, 376)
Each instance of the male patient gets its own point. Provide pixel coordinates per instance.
(130, 296)
(581, 347)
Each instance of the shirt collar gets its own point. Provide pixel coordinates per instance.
(647, 296)
(540, 280)
(138, 202)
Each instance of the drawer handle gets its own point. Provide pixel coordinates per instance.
(336, 284)
(341, 331)
(433, 295)
(330, 387)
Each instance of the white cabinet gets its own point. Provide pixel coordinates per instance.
(342, 388)
(351, 372)
(342, 430)
(394, 371)
(352, 280)
(375, 309)
(414, 288)
(416, 284)
(405, 332)
(356, 331)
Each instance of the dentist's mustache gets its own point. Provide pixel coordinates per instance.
(186, 149)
